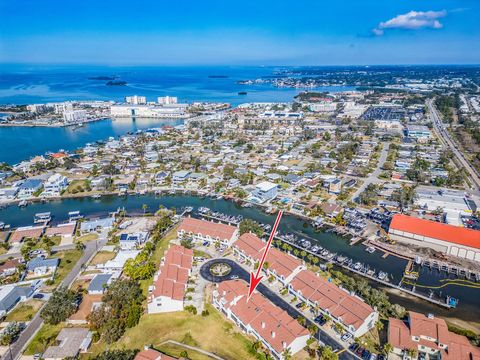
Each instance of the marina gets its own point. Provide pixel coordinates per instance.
(329, 246)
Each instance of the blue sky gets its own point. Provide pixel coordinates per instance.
(246, 32)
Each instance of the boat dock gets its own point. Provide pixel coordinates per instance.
(442, 266)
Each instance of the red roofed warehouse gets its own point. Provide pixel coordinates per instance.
(449, 239)
(259, 317)
(283, 267)
(429, 336)
(348, 310)
(170, 283)
(203, 230)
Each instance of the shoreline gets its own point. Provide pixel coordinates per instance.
(52, 125)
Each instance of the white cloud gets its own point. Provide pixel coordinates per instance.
(412, 20)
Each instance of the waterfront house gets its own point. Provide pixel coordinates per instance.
(283, 267)
(207, 231)
(97, 224)
(347, 310)
(26, 232)
(161, 177)
(65, 231)
(180, 176)
(132, 241)
(118, 262)
(430, 338)
(29, 187)
(260, 318)
(55, 185)
(264, 191)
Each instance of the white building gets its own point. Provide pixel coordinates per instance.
(265, 191)
(147, 111)
(136, 100)
(323, 107)
(165, 100)
(169, 285)
(55, 185)
(274, 327)
(74, 116)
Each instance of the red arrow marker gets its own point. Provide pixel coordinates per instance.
(256, 278)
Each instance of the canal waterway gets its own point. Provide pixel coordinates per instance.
(469, 298)
(21, 142)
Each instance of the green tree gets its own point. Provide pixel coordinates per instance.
(327, 353)
(60, 306)
(249, 225)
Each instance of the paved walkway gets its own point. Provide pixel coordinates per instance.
(193, 348)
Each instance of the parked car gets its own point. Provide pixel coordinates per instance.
(347, 336)
(38, 296)
(353, 347)
(373, 356)
(234, 277)
(299, 305)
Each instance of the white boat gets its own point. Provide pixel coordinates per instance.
(96, 196)
(370, 249)
(382, 275)
(23, 203)
(42, 218)
(74, 215)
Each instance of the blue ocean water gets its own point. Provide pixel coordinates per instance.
(23, 84)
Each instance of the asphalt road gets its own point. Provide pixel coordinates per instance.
(447, 139)
(373, 177)
(35, 324)
(243, 274)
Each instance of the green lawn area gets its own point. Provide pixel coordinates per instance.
(24, 311)
(211, 333)
(200, 253)
(45, 337)
(102, 257)
(68, 259)
(162, 246)
(76, 186)
(87, 237)
(175, 351)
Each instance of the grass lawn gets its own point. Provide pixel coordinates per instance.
(76, 186)
(201, 253)
(24, 311)
(102, 257)
(87, 237)
(68, 259)
(211, 333)
(162, 246)
(175, 351)
(371, 341)
(45, 337)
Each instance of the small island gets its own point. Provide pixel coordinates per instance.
(116, 83)
(102, 78)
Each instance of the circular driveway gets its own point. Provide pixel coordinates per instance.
(237, 271)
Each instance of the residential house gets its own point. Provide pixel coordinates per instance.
(11, 294)
(282, 266)
(265, 191)
(209, 231)
(180, 176)
(97, 224)
(69, 343)
(170, 283)
(132, 241)
(430, 338)
(40, 266)
(99, 284)
(29, 187)
(89, 303)
(55, 185)
(258, 317)
(349, 311)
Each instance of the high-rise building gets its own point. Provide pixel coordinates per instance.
(136, 100)
(166, 100)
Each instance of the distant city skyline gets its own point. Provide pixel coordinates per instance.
(301, 32)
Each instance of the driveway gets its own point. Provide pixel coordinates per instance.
(276, 299)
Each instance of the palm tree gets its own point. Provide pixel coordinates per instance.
(387, 348)
(287, 354)
(144, 208)
(315, 260)
(296, 252)
(303, 253)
